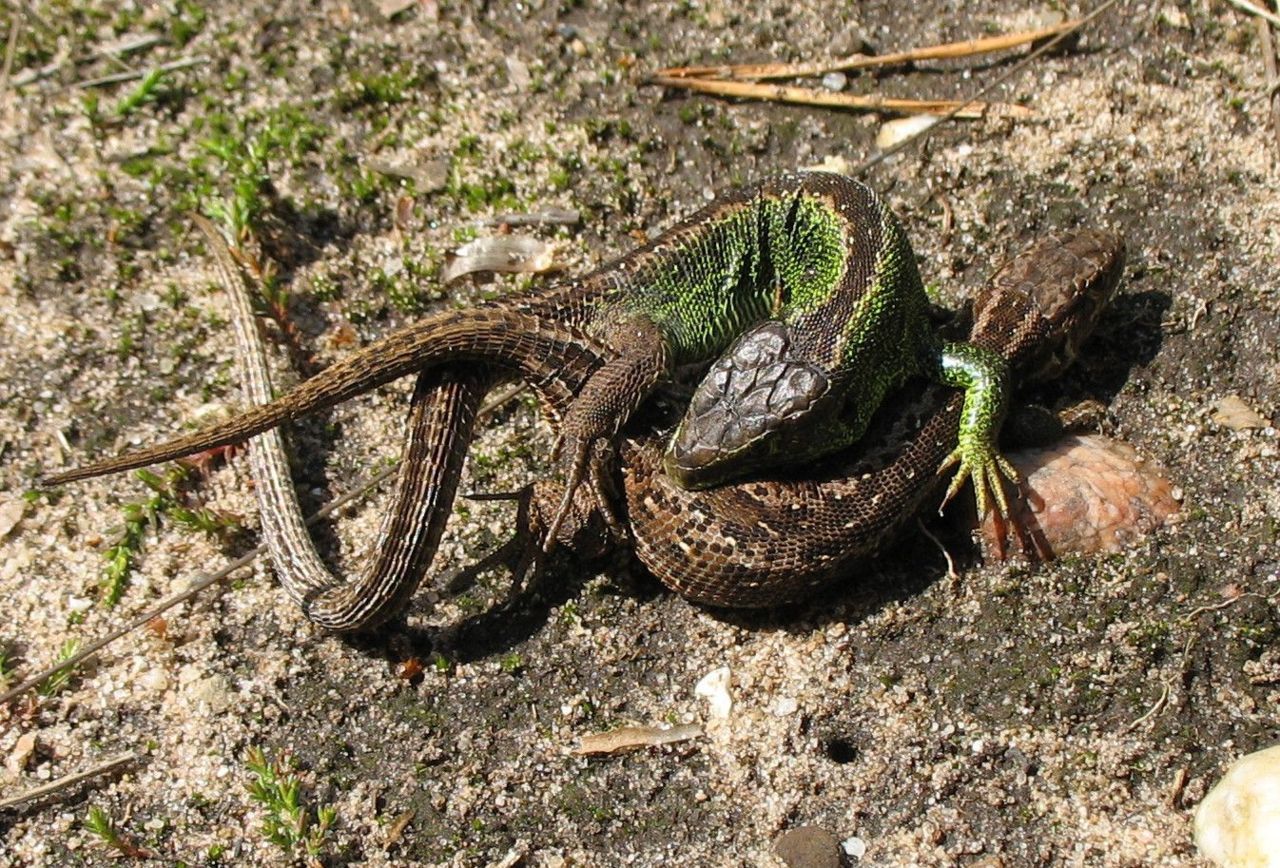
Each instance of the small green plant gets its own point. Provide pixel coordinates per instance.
(407, 289)
(165, 501)
(59, 679)
(186, 19)
(100, 824)
(377, 89)
(246, 162)
(4, 669)
(288, 823)
(144, 92)
(243, 147)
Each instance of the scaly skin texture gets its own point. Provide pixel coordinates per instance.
(813, 278)
(814, 257)
(442, 416)
(812, 266)
(771, 541)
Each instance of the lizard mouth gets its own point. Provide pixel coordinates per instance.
(746, 409)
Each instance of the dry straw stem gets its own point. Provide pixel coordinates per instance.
(1273, 77)
(862, 102)
(1252, 9)
(10, 47)
(626, 738)
(945, 51)
(130, 75)
(67, 781)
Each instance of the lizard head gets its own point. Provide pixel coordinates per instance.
(752, 409)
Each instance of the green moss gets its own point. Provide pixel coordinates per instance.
(380, 89)
(412, 287)
(324, 288)
(185, 20)
(240, 150)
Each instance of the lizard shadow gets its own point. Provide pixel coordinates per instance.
(514, 618)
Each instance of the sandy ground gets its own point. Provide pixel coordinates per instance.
(1069, 714)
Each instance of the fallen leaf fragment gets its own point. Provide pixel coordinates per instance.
(510, 254)
(11, 510)
(627, 738)
(392, 8)
(894, 131)
(399, 824)
(1232, 412)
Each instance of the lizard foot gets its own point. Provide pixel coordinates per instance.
(989, 470)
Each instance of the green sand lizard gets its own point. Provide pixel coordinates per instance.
(802, 291)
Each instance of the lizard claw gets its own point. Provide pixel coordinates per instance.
(989, 470)
(587, 463)
(576, 468)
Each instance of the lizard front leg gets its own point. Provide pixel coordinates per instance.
(984, 376)
(641, 359)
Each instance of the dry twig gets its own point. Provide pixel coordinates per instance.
(904, 143)
(626, 738)
(1273, 78)
(948, 50)
(130, 75)
(10, 48)
(864, 102)
(1246, 6)
(67, 781)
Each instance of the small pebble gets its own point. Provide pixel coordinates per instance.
(154, 680)
(854, 847)
(23, 749)
(851, 41)
(213, 692)
(714, 687)
(835, 81)
(1238, 823)
(809, 847)
(518, 73)
(11, 510)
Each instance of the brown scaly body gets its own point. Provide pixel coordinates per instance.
(767, 542)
